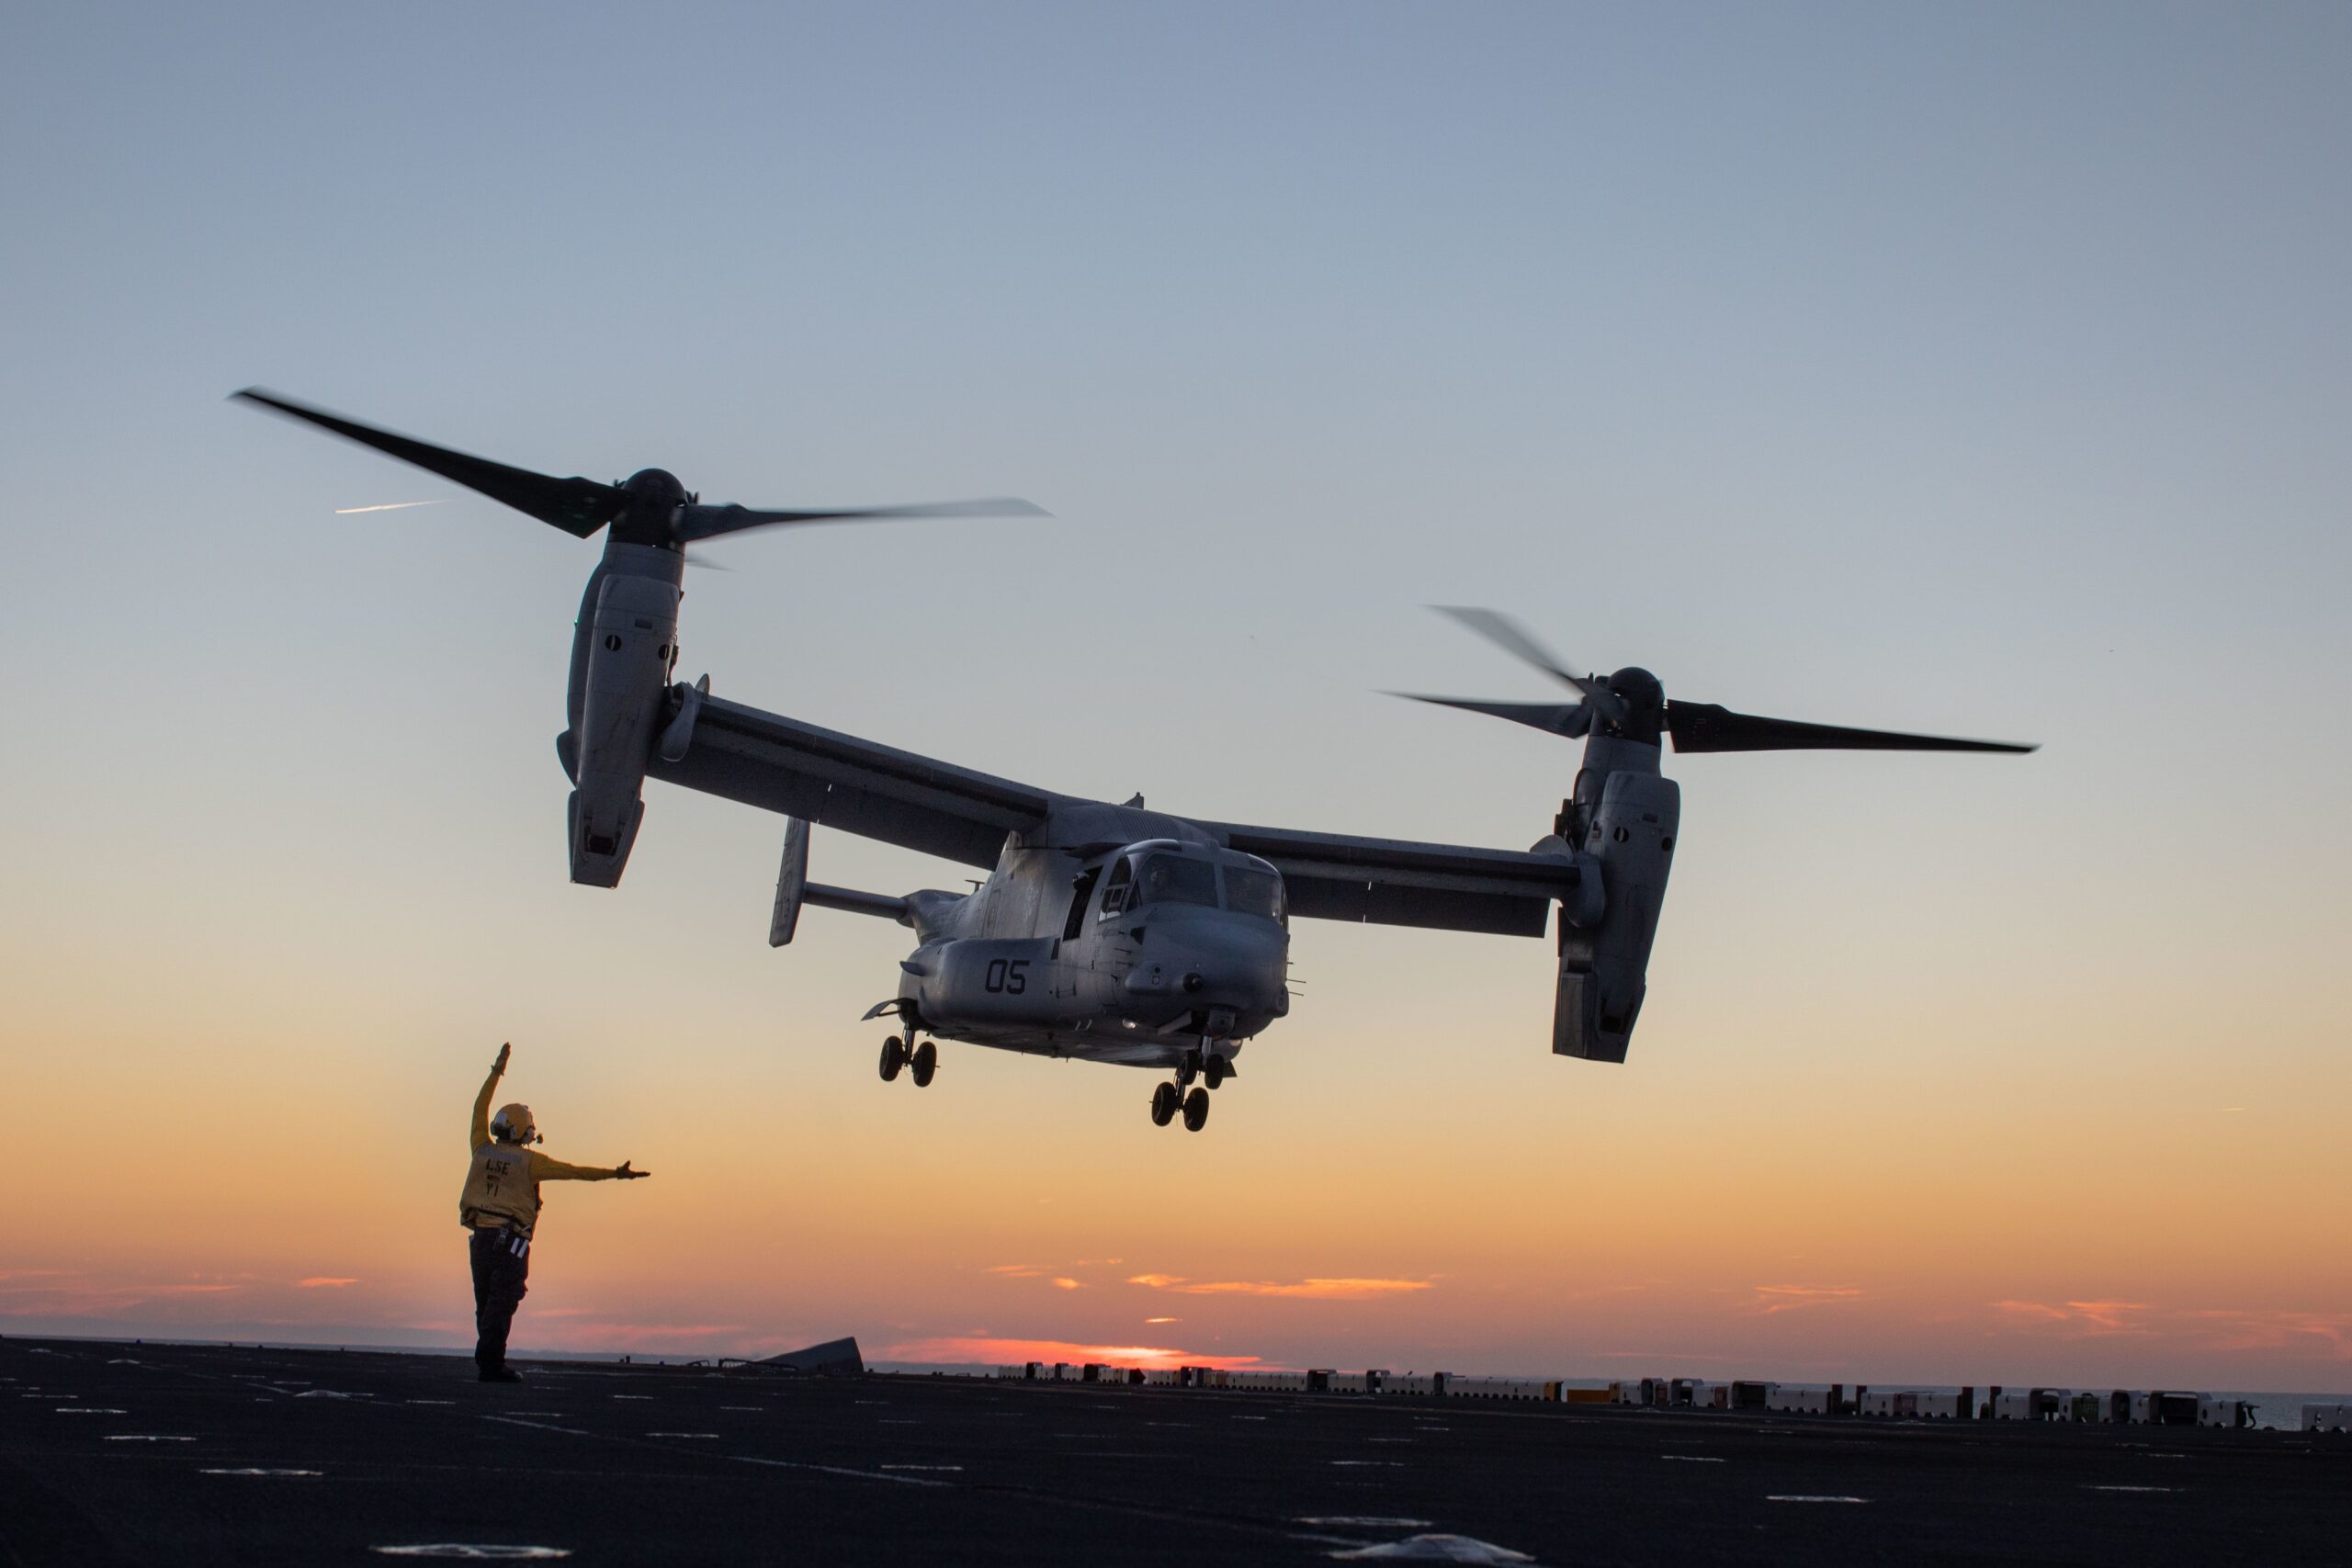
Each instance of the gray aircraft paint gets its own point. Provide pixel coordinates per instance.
(1036, 959)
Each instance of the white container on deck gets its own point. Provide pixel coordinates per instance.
(1408, 1382)
(1799, 1401)
(1267, 1382)
(2033, 1405)
(2327, 1417)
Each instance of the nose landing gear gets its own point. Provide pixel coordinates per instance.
(1212, 1068)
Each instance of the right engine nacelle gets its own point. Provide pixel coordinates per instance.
(1603, 970)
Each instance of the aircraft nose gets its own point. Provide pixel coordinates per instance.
(1235, 962)
(1248, 955)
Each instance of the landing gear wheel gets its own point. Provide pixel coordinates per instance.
(894, 1057)
(1164, 1101)
(925, 1062)
(1196, 1109)
(1213, 1074)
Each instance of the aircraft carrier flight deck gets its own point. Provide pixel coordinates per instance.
(116, 1453)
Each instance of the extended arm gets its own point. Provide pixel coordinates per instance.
(479, 1132)
(548, 1169)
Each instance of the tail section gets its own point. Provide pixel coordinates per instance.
(793, 890)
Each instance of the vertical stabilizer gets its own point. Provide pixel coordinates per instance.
(791, 881)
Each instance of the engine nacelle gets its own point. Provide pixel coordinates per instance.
(1603, 970)
(621, 669)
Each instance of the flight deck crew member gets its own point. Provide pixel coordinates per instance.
(500, 1207)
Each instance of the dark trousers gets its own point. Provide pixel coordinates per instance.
(501, 1260)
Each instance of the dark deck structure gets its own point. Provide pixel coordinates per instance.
(116, 1453)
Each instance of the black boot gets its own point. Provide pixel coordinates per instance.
(500, 1373)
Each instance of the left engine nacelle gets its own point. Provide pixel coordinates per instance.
(622, 669)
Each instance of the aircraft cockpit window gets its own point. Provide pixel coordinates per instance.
(1176, 879)
(1081, 891)
(1249, 890)
(1115, 888)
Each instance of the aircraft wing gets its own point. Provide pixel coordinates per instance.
(1392, 882)
(880, 791)
(877, 791)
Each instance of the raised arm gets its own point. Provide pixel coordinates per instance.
(479, 1132)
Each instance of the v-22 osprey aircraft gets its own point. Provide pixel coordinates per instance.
(1104, 932)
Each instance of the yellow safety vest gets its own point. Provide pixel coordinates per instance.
(500, 1189)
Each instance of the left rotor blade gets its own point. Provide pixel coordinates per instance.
(1517, 641)
(709, 521)
(578, 506)
(1705, 726)
(1554, 718)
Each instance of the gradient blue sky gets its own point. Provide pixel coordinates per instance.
(1976, 369)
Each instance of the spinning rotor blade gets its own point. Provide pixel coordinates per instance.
(1514, 639)
(578, 506)
(709, 521)
(1705, 727)
(1571, 719)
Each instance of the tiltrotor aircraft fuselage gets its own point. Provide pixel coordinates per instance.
(1104, 932)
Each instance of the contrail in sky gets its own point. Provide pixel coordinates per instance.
(388, 506)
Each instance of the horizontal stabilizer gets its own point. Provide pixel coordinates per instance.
(850, 901)
(793, 890)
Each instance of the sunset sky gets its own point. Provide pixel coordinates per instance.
(1981, 371)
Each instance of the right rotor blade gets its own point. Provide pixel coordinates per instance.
(710, 522)
(578, 506)
(1705, 727)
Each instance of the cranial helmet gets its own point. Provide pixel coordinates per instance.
(513, 1124)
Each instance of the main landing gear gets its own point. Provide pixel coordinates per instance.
(923, 1058)
(1169, 1099)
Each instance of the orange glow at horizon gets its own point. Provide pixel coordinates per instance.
(1302, 1290)
(1007, 1353)
(1757, 1195)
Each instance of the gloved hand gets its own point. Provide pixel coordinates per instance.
(504, 1052)
(626, 1174)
